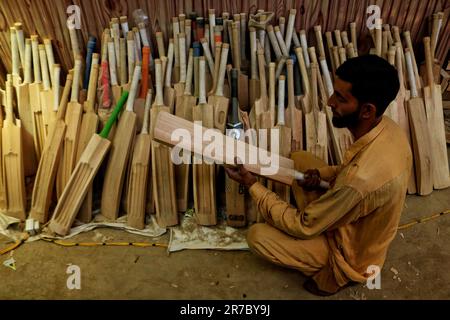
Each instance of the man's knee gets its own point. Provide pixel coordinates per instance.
(256, 235)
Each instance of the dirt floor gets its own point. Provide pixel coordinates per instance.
(417, 267)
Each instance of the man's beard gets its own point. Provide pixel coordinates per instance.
(347, 121)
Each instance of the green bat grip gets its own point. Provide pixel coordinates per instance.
(114, 115)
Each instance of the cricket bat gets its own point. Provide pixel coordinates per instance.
(435, 118)
(234, 192)
(91, 44)
(121, 147)
(403, 117)
(293, 114)
(204, 178)
(211, 63)
(48, 165)
(217, 53)
(89, 125)
(160, 44)
(285, 137)
(46, 98)
(105, 95)
(169, 92)
(73, 121)
(20, 42)
(243, 79)
(290, 28)
(354, 37)
(138, 175)
(179, 87)
(176, 51)
(254, 89)
(25, 114)
(420, 134)
(184, 110)
(166, 124)
(163, 174)
(321, 145)
(261, 104)
(12, 156)
(16, 78)
(82, 177)
(218, 101)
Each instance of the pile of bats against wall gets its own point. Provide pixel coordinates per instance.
(226, 70)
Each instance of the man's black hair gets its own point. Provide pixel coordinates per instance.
(373, 80)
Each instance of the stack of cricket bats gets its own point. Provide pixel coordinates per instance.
(231, 71)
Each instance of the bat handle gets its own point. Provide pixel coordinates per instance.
(301, 177)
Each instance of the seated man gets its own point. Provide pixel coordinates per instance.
(334, 237)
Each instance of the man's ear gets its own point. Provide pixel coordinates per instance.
(368, 111)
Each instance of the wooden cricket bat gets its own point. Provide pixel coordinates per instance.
(274, 42)
(354, 37)
(435, 118)
(48, 165)
(290, 28)
(204, 178)
(321, 146)
(160, 43)
(378, 37)
(254, 89)
(184, 110)
(280, 170)
(218, 101)
(285, 137)
(20, 42)
(420, 134)
(89, 125)
(46, 98)
(218, 51)
(12, 156)
(403, 117)
(35, 97)
(163, 175)
(261, 105)
(176, 51)
(120, 152)
(73, 121)
(169, 92)
(83, 175)
(25, 114)
(234, 192)
(293, 114)
(243, 79)
(138, 175)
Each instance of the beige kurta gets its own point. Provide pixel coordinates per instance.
(336, 236)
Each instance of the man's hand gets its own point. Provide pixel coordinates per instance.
(312, 180)
(241, 175)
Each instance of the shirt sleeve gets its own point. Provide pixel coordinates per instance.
(318, 216)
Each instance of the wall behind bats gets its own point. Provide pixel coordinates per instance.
(48, 18)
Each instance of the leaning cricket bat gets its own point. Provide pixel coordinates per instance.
(261, 104)
(46, 93)
(204, 173)
(420, 135)
(243, 79)
(402, 110)
(285, 138)
(138, 176)
(12, 156)
(120, 151)
(35, 96)
(254, 89)
(82, 177)
(218, 101)
(234, 192)
(321, 146)
(162, 166)
(30, 162)
(293, 114)
(436, 127)
(48, 165)
(73, 121)
(184, 110)
(179, 87)
(169, 92)
(280, 170)
(89, 124)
